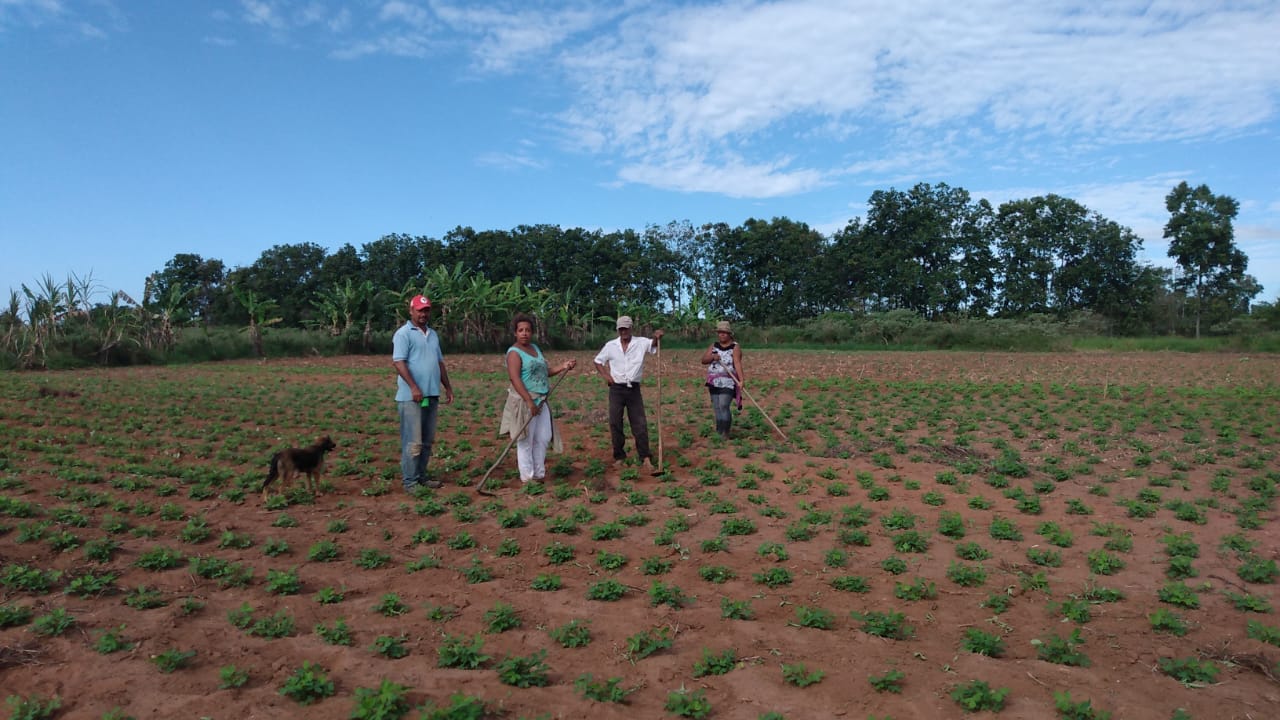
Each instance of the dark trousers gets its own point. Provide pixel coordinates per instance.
(629, 399)
(721, 403)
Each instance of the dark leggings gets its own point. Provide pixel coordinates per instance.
(721, 402)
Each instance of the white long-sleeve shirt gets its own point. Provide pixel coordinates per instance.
(625, 367)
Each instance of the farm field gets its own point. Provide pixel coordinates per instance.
(940, 533)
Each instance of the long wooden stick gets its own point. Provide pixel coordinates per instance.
(659, 469)
(546, 408)
(762, 412)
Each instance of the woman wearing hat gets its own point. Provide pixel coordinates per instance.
(724, 376)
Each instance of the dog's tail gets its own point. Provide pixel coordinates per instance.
(275, 471)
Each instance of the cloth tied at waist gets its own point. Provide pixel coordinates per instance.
(516, 415)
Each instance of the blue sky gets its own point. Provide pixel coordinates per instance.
(134, 130)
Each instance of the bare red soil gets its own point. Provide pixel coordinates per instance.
(859, 426)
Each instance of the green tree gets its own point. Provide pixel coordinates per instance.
(927, 250)
(1202, 243)
(392, 261)
(289, 275)
(340, 266)
(768, 270)
(1055, 255)
(348, 307)
(196, 282)
(496, 254)
(260, 312)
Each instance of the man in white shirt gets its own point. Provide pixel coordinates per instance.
(621, 364)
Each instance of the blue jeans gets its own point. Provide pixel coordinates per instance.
(417, 433)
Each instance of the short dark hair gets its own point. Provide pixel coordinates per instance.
(523, 317)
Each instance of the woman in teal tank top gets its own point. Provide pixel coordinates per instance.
(529, 373)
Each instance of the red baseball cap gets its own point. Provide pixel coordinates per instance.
(419, 302)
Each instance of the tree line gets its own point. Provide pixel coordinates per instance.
(932, 251)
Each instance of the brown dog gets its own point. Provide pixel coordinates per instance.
(294, 461)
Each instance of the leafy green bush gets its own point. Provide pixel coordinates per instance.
(230, 677)
(1256, 569)
(1189, 671)
(308, 684)
(390, 646)
(800, 676)
(715, 663)
(1083, 710)
(460, 652)
(1180, 594)
(982, 643)
(111, 640)
(1269, 634)
(1104, 563)
(1164, 620)
(688, 704)
(601, 690)
(283, 582)
(501, 618)
(573, 634)
(386, 702)
(547, 582)
(606, 590)
(33, 707)
(736, 609)
(335, 634)
(890, 681)
(920, 589)
(53, 623)
(524, 672)
(13, 614)
(977, 695)
(460, 707)
(172, 659)
(892, 625)
(1056, 649)
(647, 642)
(661, 593)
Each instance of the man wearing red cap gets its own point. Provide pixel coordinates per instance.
(420, 371)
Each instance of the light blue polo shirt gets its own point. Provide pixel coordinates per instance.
(421, 351)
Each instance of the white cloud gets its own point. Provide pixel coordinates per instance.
(264, 13)
(507, 39)
(407, 44)
(733, 177)
(712, 78)
(408, 13)
(1140, 205)
(94, 20)
(32, 13)
(511, 161)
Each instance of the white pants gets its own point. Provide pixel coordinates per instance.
(531, 450)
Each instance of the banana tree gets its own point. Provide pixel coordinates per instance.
(692, 319)
(260, 318)
(158, 317)
(45, 308)
(114, 323)
(342, 306)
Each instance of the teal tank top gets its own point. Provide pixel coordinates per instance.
(533, 370)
